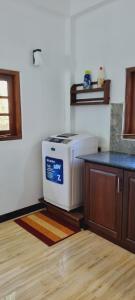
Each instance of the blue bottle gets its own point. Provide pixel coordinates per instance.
(87, 79)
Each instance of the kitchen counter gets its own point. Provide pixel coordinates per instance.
(113, 159)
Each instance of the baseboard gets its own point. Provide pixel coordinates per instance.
(41, 200)
(20, 212)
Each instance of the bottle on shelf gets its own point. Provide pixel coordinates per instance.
(87, 79)
(101, 77)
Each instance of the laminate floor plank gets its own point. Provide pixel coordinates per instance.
(82, 267)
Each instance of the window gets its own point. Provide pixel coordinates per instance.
(10, 109)
(129, 128)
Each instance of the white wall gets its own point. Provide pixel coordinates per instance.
(23, 28)
(104, 35)
(101, 35)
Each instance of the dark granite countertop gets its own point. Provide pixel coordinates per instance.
(113, 159)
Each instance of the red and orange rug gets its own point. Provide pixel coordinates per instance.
(46, 227)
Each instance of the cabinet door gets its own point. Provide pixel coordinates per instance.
(129, 210)
(103, 200)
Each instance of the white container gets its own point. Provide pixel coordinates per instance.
(63, 171)
(101, 77)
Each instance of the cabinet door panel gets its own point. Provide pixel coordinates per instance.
(103, 199)
(103, 206)
(129, 209)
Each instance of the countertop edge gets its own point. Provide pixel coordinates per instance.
(114, 164)
(109, 165)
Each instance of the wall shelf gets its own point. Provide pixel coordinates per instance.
(78, 89)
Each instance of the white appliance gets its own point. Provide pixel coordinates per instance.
(62, 170)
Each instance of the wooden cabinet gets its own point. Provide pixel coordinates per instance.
(128, 232)
(103, 201)
(110, 203)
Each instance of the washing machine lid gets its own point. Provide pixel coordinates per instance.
(66, 138)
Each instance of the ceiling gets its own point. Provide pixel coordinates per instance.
(61, 7)
(79, 6)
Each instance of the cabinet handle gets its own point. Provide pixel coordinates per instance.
(118, 185)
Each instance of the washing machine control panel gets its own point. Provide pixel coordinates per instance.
(58, 140)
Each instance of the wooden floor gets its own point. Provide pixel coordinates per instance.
(82, 267)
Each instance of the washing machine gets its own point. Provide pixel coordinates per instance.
(63, 170)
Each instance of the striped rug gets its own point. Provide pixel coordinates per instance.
(46, 227)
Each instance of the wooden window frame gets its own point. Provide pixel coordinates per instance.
(129, 121)
(15, 132)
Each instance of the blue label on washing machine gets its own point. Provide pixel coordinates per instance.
(54, 169)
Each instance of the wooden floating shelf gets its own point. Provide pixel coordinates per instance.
(92, 90)
(91, 101)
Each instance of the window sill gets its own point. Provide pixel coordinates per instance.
(7, 137)
(130, 137)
